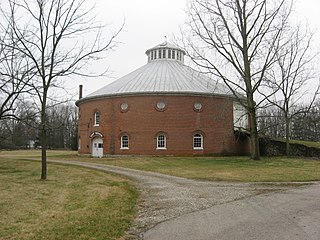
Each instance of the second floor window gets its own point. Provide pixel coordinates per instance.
(96, 119)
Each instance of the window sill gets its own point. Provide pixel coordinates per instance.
(96, 125)
(197, 148)
(161, 148)
(124, 148)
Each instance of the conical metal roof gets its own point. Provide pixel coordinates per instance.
(165, 75)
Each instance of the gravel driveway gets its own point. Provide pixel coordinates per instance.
(166, 197)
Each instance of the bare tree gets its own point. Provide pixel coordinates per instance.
(60, 39)
(306, 125)
(234, 41)
(62, 126)
(293, 76)
(14, 73)
(21, 131)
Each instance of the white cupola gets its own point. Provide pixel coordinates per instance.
(165, 51)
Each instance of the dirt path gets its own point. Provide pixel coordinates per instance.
(166, 197)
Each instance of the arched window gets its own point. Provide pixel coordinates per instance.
(125, 142)
(161, 141)
(96, 119)
(197, 141)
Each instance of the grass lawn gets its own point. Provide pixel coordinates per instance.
(307, 143)
(240, 169)
(277, 169)
(74, 203)
(78, 203)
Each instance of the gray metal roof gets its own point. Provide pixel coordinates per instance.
(162, 76)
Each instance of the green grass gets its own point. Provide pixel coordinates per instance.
(307, 143)
(74, 203)
(78, 203)
(241, 169)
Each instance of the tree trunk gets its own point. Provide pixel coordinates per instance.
(43, 140)
(254, 136)
(287, 129)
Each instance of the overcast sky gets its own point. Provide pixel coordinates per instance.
(147, 22)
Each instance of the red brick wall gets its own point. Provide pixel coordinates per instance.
(142, 122)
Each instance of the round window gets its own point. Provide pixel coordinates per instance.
(161, 105)
(124, 107)
(197, 106)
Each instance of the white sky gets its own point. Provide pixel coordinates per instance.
(147, 22)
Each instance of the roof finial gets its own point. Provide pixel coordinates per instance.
(165, 39)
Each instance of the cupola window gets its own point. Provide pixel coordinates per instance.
(165, 51)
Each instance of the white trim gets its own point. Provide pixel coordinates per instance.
(198, 148)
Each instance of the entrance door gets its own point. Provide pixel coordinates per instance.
(97, 147)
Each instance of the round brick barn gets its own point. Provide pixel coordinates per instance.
(162, 108)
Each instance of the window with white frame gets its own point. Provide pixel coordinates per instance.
(161, 141)
(125, 142)
(96, 119)
(197, 141)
